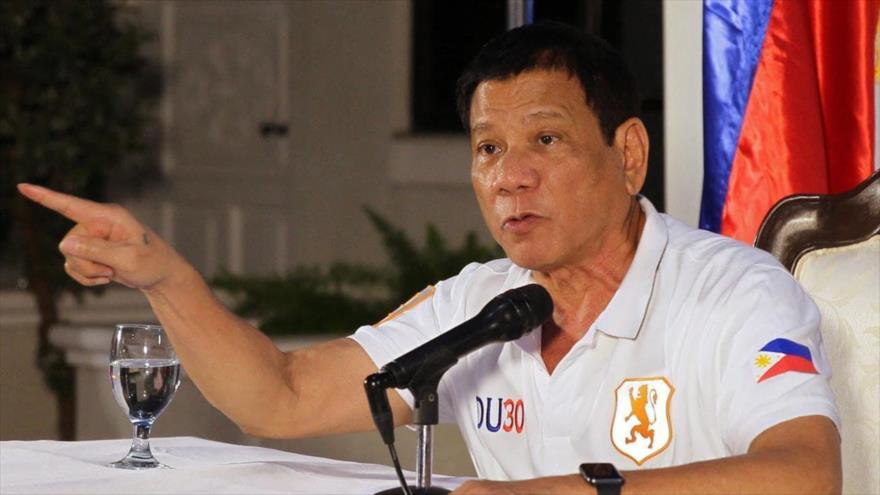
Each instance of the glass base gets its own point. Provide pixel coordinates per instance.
(139, 455)
(136, 464)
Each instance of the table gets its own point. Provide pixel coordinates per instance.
(200, 466)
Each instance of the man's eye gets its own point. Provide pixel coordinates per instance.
(488, 149)
(547, 139)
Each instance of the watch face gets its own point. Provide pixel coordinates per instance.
(601, 474)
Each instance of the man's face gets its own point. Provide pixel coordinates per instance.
(550, 189)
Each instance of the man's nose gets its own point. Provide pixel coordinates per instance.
(516, 172)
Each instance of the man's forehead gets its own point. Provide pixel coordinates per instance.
(533, 80)
(484, 122)
(532, 96)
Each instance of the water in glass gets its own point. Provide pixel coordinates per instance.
(144, 375)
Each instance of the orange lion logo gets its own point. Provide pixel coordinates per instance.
(639, 408)
(644, 429)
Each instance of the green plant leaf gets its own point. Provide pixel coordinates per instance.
(344, 296)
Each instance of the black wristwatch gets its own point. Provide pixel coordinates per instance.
(603, 476)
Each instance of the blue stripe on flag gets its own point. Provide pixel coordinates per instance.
(733, 33)
(788, 347)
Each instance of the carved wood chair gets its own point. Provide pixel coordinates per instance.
(831, 244)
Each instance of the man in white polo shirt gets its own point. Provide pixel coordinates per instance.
(683, 331)
(667, 345)
(689, 361)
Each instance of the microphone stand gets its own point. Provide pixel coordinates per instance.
(505, 318)
(425, 416)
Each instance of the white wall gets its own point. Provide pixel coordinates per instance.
(342, 86)
(683, 107)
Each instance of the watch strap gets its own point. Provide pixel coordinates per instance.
(609, 489)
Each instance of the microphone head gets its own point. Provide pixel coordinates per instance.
(532, 305)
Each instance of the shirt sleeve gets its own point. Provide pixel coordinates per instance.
(772, 365)
(427, 314)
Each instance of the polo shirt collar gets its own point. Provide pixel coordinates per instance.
(625, 313)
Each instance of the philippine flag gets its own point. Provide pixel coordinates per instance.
(780, 356)
(788, 101)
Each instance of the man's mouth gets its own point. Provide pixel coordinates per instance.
(520, 223)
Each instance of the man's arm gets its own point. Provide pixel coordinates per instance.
(308, 392)
(799, 456)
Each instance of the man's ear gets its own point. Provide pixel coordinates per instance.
(631, 139)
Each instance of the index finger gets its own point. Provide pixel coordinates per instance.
(76, 209)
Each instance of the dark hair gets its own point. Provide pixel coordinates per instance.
(606, 80)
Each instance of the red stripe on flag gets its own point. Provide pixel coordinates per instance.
(809, 123)
(789, 363)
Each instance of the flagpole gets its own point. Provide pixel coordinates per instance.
(520, 12)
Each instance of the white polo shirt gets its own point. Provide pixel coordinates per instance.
(707, 343)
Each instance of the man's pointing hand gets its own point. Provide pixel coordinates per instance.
(107, 243)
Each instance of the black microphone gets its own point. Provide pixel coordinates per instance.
(508, 316)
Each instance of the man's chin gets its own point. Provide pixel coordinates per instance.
(530, 260)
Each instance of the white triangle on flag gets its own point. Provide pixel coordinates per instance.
(763, 361)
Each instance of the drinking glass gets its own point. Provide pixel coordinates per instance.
(144, 374)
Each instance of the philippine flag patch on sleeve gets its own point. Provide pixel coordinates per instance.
(780, 356)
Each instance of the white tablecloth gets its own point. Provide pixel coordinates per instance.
(200, 466)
